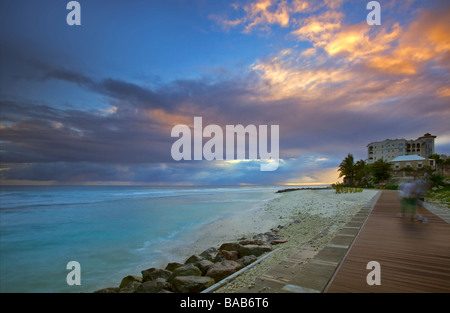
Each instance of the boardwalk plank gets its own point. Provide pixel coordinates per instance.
(414, 257)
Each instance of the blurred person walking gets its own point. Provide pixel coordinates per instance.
(408, 198)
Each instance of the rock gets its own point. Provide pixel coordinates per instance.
(128, 279)
(246, 260)
(266, 237)
(229, 255)
(172, 266)
(204, 265)
(187, 270)
(191, 284)
(209, 250)
(252, 242)
(223, 269)
(131, 287)
(153, 286)
(230, 246)
(193, 259)
(108, 290)
(275, 242)
(219, 257)
(209, 254)
(253, 250)
(154, 273)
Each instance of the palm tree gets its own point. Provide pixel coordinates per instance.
(361, 172)
(347, 168)
(380, 170)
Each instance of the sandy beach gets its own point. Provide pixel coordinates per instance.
(304, 214)
(295, 218)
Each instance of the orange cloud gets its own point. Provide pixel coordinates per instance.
(283, 78)
(263, 13)
(425, 40)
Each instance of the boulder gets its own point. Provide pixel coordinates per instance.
(191, 284)
(128, 279)
(153, 286)
(229, 255)
(252, 242)
(223, 269)
(187, 270)
(193, 259)
(131, 287)
(172, 266)
(253, 250)
(246, 260)
(266, 237)
(230, 246)
(204, 265)
(154, 273)
(209, 254)
(219, 257)
(108, 290)
(275, 242)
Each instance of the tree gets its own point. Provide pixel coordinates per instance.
(439, 162)
(380, 170)
(361, 172)
(347, 168)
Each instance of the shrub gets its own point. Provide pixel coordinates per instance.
(437, 180)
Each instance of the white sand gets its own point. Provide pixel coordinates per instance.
(317, 209)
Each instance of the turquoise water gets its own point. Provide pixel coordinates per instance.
(111, 231)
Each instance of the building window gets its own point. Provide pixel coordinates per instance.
(397, 165)
(400, 150)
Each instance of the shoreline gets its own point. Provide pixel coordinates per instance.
(316, 230)
(293, 219)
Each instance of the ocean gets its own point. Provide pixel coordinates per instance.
(111, 231)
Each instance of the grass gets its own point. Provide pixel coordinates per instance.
(440, 197)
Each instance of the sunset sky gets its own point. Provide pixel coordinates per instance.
(95, 103)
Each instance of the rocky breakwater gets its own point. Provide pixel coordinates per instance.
(200, 271)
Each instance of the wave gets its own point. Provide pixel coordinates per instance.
(58, 197)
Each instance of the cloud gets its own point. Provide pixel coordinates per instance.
(349, 85)
(424, 40)
(263, 14)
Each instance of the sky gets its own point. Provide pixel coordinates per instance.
(95, 103)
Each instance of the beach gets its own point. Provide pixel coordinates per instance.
(118, 231)
(304, 214)
(295, 218)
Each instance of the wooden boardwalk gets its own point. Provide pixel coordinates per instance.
(413, 257)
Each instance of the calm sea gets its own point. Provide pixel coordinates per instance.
(111, 231)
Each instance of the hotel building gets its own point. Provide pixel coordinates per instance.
(390, 149)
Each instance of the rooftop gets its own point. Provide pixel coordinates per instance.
(412, 157)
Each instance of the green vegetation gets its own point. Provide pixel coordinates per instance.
(440, 197)
(363, 174)
(437, 180)
(340, 188)
(347, 169)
